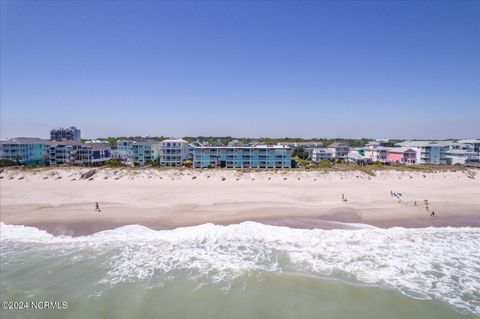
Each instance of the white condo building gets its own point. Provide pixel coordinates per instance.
(173, 152)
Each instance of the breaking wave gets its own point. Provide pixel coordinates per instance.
(428, 263)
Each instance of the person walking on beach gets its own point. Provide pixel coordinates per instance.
(343, 197)
(97, 207)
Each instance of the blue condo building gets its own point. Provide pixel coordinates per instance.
(258, 156)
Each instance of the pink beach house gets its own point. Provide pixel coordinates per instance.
(401, 155)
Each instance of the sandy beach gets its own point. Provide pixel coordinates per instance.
(58, 201)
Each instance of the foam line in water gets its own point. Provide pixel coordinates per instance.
(441, 263)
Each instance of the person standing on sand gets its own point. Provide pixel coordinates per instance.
(343, 197)
(97, 207)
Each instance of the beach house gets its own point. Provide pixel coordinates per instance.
(258, 156)
(401, 155)
(145, 151)
(320, 154)
(25, 150)
(173, 152)
(124, 145)
(376, 153)
(339, 150)
(461, 156)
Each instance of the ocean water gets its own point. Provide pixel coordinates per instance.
(248, 270)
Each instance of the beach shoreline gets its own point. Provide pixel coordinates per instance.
(58, 201)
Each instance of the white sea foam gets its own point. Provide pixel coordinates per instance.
(441, 263)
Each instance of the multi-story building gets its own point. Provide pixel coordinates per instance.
(125, 145)
(401, 155)
(145, 151)
(462, 157)
(63, 153)
(427, 152)
(471, 145)
(259, 156)
(24, 150)
(339, 150)
(376, 153)
(173, 152)
(65, 134)
(74, 153)
(320, 154)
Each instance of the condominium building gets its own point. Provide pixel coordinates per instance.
(320, 154)
(145, 151)
(339, 150)
(401, 155)
(259, 156)
(74, 153)
(63, 153)
(427, 152)
(24, 150)
(173, 152)
(65, 134)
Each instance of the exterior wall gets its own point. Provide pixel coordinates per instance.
(242, 157)
(78, 154)
(120, 155)
(144, 152)
(339, 151)
(453, 158)
(61, 154)
(376, 154)
(124, 145)
(430, 155)
(320, 154)
(408, 158)
(173, 152)
(28, 154)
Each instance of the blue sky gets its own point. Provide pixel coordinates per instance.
(407, 69)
